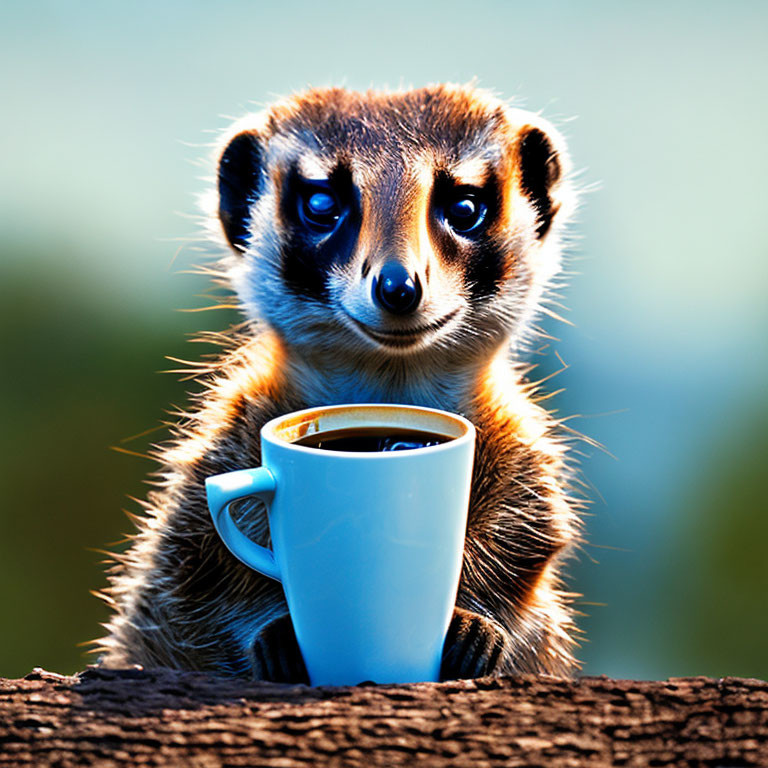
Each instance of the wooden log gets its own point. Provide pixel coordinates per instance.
(167, 718)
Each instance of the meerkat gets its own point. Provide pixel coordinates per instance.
(390, 247)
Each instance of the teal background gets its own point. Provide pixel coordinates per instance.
(107, 110)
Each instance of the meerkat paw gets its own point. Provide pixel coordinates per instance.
(275, 654)
(473, 647)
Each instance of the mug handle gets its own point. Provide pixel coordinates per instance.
(222, 490)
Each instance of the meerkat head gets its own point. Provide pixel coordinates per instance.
(388, 225)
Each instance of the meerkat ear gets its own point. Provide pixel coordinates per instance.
(239, 183)
(542, 158)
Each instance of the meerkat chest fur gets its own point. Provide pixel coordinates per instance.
(384, 247)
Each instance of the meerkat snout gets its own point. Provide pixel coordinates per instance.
(396, 290)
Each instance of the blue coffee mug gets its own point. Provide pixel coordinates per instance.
(368, 545)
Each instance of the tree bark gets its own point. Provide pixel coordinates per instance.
(167, 718)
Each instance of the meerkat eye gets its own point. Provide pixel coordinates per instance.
(465, 213)
(318, 209)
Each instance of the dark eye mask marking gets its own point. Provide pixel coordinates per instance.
(461, 222)
(322, 221)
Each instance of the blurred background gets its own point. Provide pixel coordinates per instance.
(106, 111)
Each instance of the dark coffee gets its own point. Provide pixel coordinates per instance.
(372, 439)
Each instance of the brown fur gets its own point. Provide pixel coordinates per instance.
(180, 598)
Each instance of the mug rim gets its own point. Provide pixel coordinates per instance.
(301, 422)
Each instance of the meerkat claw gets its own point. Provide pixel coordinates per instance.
(276, 655)
(473, 647)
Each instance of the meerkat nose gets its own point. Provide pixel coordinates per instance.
(395, 290)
